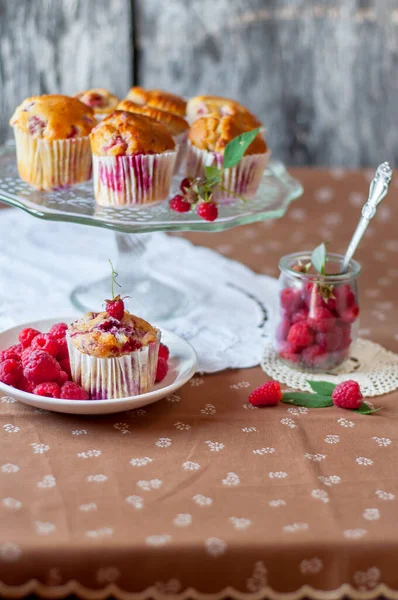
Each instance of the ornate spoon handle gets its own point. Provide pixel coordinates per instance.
(377, 191)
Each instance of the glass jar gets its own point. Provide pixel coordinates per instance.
(317, 315)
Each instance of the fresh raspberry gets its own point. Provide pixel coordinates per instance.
(345, 297)
(321, 319)
(45, 342)
(10, 353)
(26, 336)
(178, 204)
(345, 331)
(49, 389)
(330, 340)
(207, 210)
(290, 300)
(268, 394)
(349, 315)
(62, 377)
(115, 308)
(185, 184)
(63, 351)
(331, 304)
(164, 352)
(41, 367)
(161, 370)
(301, 335)
(287, 352)
(73, 391)
(25, 385)
(65, 366)
(313, 356)
(25, 355)
(347, 395)
(58, 330)
(300, 315)
(10, 372)
(282, 330)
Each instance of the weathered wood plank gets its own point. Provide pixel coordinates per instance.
(323, 78)
(50, 46)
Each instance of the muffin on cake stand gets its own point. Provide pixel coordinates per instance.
(156, 298)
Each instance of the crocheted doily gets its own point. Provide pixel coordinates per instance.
(373, 367)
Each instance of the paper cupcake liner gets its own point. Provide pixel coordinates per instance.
(52, 164)
(181, 147)
(115, 377)
(243, 179)
(136, 179)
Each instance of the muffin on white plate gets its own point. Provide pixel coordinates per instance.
(100, 100)
(207, 140)
(52, 143)
(113, 354)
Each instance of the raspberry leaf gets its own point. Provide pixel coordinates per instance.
(324, 388)
(318, 258)
(213, 175)
(307, 400)
(236, 148)
(364, 409)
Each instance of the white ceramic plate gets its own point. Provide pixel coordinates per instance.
(182, 366)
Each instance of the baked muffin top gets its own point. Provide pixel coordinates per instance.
(213, 132)
(127, 133)
(54, 117)
(174, 123)
(101, 101)
(102, 336)
(199, 106)
(158, 99)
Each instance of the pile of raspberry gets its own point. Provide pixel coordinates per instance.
(314, 331)
(39, 364)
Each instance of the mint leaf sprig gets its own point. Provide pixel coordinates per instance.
(321, 398)
(233, 153)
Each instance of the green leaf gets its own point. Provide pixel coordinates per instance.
(307, 400)
(324, 388)
(213, 174)
(364, 409)
(236, 148)
(318, 258)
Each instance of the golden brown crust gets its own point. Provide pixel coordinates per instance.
(101, 100)
(158, 99)
(213, 132)
(174, 123)
(98, 334)
(54, 117)
(200, 106)
(127, 133)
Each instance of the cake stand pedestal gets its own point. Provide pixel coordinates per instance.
(155, 297)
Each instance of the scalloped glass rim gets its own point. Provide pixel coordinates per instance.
(77, 205)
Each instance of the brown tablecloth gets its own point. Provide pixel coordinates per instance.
(201, 495)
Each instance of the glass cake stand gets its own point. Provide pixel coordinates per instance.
(136, 227)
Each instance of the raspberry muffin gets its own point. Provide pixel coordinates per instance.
(207, 140)
(177, 126)
(158, 99)
(53, 147)
(133, 160)
(113, 354)
(199, 106)
(101, 101)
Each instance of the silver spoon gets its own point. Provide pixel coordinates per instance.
(377, 191)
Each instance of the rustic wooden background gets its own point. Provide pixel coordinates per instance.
(322, 76)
